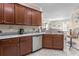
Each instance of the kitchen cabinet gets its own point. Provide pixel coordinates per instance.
(0, 51)
(53, 41)
(19, 14)
(36, 18)
(25, 45)
(27, 18)
(9, 47)
(1, 13)
(47, 41)
(16, 14)
(58, 41)
(9, 13)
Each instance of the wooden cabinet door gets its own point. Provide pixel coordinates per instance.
(0, 51)
(11, 50)
(25, 45)
(39, 18)
(19, 14)
(47, 41)
(36, 18)
(27, 20)
(1, 13)
(10, 47)
(58, 42)
(8, 13)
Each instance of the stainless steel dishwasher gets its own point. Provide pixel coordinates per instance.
(37, 42)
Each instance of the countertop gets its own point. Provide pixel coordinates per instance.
(28, 34)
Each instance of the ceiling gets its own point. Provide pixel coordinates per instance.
(53, 11)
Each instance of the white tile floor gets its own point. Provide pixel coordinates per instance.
(51, 52)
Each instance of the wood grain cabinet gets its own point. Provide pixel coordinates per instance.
(8, 13)
(53, 41)
(27, 18)
(0, 51)
(1, 13)
(58, 41)
(47, 41)
(36, 18)
(19, 14)
(25, 45)
(13, 13)
(9, 47)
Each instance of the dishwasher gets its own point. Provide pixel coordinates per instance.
(37, 42)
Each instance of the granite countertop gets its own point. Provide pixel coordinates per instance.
(28, 34)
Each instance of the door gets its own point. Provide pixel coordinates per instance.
(8, 13)
(0, 51)
(1, 13)
(47, 41)
(28, 18)
(37, 42)
(11, 50)
(58, 42)
(25, 45)
(10, 47)
(19, 14)
(36, 18)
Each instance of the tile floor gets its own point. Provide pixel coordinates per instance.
(49, 52)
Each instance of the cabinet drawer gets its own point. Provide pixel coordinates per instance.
(24, 39)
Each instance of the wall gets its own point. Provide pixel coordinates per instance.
(61, 25)
(15, 28)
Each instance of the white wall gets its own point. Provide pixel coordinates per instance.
(61, 25)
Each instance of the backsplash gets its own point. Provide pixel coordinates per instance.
(15, 28)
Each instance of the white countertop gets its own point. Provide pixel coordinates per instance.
(19, 35)
(29, 34)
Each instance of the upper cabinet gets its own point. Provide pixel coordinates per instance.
(36, 18)
(27, 18)
(1, 13)
(19, 14)
(9, 13)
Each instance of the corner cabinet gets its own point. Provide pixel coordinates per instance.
(1, 13)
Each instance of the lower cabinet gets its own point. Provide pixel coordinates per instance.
(11, 51)
(53, 41)
(0, 51)
(9, 47)
(25, 45)
(16, 46)
(58, 42)
(47, 41)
